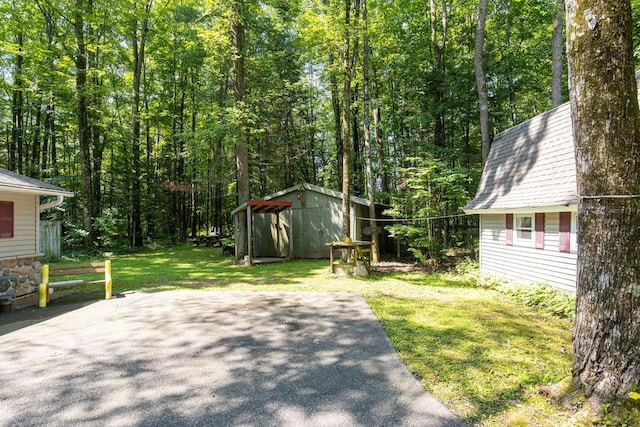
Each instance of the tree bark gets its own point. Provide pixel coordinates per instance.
(337, 117)
(373, 224)
(242, 150)
(557, 53)
(348, 66)
(438, 45)
(605, 115)
(139, 41)
(481, 85)
(83, 124)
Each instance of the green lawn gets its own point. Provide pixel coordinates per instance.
(482, 353)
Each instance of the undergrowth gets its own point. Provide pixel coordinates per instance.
(557, 301)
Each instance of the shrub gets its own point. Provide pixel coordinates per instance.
(557, 301)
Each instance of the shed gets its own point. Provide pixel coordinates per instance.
(309, 217)
(20, 207)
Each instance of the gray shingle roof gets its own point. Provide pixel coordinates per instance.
(531, 165)
(11, 181)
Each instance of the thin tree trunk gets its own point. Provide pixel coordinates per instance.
(606, 122)
(348, 65)
(83, 125)
(557, 53)
(337, 117)
(242, 150)
(15, 151)
(139, 39)
(373, 224)
(481, 85)
(438, 46)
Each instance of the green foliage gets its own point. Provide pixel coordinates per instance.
(429, 189)
(542, 295)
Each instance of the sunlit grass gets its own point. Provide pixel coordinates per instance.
(482, 353)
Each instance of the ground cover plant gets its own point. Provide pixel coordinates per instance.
(490, 358)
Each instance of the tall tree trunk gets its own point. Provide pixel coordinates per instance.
(438, 44)
(242, 142)
(606, 122)
(139, 40)
(337, 118)
(481, 85)
(557, 53)
(348, 66)
(17, 135)
(83, 125)
(373, 224)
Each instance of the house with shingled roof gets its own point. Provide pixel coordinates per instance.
(21, 200)
(527, 201)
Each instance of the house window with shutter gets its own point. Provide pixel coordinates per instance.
(524, 227)
(6, 220)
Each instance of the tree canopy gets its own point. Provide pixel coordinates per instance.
(134, 105)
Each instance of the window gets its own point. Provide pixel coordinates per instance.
(6, 220)
(524, 229)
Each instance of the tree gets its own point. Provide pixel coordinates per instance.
(605, 115)
(557, 53)
(367, 136)
(242, 148)
(349, 55)
(481, 85)
(139, 32)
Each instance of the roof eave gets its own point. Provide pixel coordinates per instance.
(35, 190)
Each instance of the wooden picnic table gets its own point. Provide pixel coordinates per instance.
(208, 240)
(357, 250)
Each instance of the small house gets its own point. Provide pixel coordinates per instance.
(21, 201)
(527, 201)
(299, 221)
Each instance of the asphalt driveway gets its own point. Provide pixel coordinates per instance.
(188, 358)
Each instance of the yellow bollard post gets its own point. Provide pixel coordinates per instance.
(107, 279)
(43, 289)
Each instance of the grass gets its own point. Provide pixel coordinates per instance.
(485, 355)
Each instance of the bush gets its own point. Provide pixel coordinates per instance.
(557, 301)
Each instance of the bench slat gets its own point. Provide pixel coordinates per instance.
(75, 266)
(74, 272)
(66, 283)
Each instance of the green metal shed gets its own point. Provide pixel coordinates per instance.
(302, 230)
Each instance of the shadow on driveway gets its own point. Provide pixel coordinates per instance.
(184, 358)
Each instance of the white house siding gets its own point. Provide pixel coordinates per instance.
(25, 225)
(526, 263)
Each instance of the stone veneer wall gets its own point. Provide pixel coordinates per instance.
(26, 269)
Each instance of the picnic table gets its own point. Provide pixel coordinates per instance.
(357, 250)
(208, 240)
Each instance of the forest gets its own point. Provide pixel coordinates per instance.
(163, 115)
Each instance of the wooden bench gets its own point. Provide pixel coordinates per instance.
(64, 270)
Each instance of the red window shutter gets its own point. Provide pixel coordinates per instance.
(6, 220)
(509, 229)
(565, 232)
(539, 231)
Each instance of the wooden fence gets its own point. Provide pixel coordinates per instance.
(51, 238)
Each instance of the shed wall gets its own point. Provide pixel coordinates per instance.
(317, 220)
(526, 263)
(24, 241)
